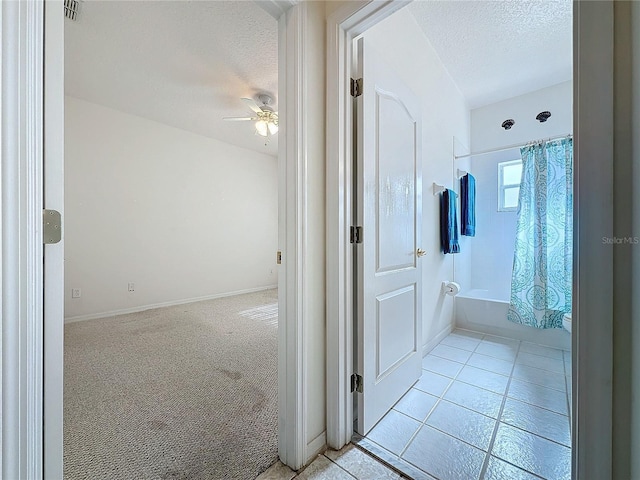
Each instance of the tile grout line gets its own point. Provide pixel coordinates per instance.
(485, 355)
(487, 458)
(479, 368)
(536, 406)
(440, 398)
(339, 466)
(388, 456)
(402, 451)
(395, 469)
(513, 363)
(453, 379)
(504, 395)
(540, 354)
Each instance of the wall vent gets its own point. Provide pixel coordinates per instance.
(71, 9)
(543, 116)
(507, 124)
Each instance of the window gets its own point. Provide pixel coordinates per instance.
(509, 174)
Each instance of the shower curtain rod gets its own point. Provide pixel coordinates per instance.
(502, 149)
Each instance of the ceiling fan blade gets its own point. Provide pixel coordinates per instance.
(239, 119)
(252, 104)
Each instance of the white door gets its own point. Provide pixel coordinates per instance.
(389, 209)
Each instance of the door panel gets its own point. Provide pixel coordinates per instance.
(396, 183)
(395, 311)
(389, 201)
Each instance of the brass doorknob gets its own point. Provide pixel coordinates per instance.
(420, 252)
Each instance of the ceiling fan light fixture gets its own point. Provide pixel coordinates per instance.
(261, 128)
(266, 119)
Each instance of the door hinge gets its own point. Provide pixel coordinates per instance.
(279, 257)
(356, 235)
(356, 383)
(51, 226)
(356, 87)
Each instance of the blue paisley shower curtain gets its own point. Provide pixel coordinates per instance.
(542, 263)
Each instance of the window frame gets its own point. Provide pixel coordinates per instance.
(502, 187)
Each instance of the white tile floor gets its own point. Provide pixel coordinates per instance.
(485, 408)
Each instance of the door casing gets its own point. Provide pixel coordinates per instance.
(21, 172)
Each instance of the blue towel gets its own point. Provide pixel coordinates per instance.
(449, 222)
(468, 205)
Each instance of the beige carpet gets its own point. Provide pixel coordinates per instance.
(180, 392)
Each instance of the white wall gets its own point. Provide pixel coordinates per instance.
(492, 248)
(180, 215)
(445, 116)
(486, 130)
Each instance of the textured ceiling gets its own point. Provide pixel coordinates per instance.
(496, 50)
(184, 64)
(187, 63)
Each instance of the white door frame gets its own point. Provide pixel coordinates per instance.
(22, 271)
(593, 279)
(343, 26)
(593, 273)
(292, 196)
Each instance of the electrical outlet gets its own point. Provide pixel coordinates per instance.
(131, 287)
(76, 293)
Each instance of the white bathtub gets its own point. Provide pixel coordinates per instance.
(486, 312)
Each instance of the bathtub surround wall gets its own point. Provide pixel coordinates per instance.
(479, 311)
(491, 250)
(178, 215)
(445, 115)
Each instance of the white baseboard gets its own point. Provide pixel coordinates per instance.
(316, 446)
(142, 308)
(431, 344)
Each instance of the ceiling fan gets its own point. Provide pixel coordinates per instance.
(265, 117)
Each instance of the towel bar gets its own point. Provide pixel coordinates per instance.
(438, 188)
